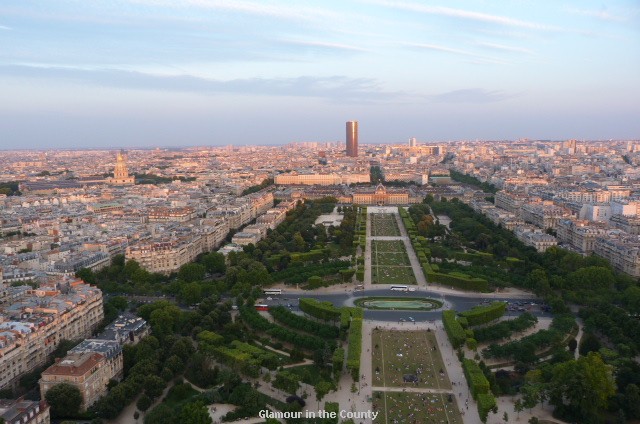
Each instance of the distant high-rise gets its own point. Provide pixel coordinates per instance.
(352, 138)
(413, 142)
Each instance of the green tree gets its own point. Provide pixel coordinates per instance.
(141, 277)
(161, 414)
(153, 386)
(144, 402)
(191, 272)
(322, 388)
(299, 242)
(589, 343)
(65, 400)
(505, 417)
(214, 262)
(191, 293)
(195, 413)
(131, 267)
(582, 387)
(86, 275)
(632, 401)
(518, 407)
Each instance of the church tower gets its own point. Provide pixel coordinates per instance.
(121, 173)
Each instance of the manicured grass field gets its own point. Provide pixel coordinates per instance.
(423, 408)
(390, 263)
(399, 353)
(384, 225)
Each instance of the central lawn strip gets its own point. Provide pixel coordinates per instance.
(390, 263)
(418, 358)
(393, 259)
(384, 225)
(421, 408)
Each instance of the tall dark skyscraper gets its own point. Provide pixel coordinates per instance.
(352, 138)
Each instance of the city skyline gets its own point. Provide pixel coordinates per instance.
(146, 73)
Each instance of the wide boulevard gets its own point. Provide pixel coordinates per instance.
(458, 301)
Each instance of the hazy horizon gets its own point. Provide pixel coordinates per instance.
(164, 73)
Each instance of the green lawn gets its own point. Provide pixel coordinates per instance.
(390, 263)
(420, 408)
(393, 258)
(384, 225)
(393, 275)
(398, 353)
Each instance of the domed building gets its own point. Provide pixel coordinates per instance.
(121, 173)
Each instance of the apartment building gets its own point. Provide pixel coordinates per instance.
(622, 250)
(23, 411)
(510, 201)
(32, 326)
(628, 224)
(166, 255)
(86, 371)
(535, 238)
(126, 329)
(163, 214)
(543, 215)
(331, 178)
(580, 235)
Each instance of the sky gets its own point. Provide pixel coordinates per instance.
(155, 73)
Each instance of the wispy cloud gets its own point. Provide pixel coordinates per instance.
(602, 14)
(502, 47)
(462, 14)
(6, 28)
(471, 95)
(249, 7)
(325, 45)
(445, 49)
(335, 88)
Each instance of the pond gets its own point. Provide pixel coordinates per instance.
(399, 303)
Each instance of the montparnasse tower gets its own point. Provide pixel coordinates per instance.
(120, 172)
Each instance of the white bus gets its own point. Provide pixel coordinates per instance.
(400, 288)
(272, 291)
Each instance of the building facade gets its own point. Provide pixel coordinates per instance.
(24, 411)
(34, 324)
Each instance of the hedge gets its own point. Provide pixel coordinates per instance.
(331, 408)
(486, 402)
(312, 255)
(321, 310)
(454, 330)
(504, 329)
(476, 379)
(355, 348)
(238, 360)
(471, 284)
(304, 341)
(484, 314)
(289, 319)
(287, 381)
(559, 328)
(338, 360)
(345, 319)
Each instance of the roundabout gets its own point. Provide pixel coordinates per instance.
(399, 303)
